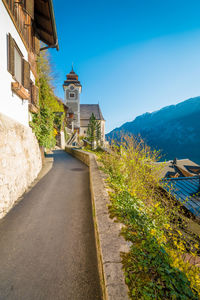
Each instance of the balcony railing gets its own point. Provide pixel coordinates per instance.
(22, 19)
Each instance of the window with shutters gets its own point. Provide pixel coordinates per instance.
(17, 65)
(34, 93)
(19, 68)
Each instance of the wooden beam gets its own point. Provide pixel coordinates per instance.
(37, 13)
(44, 41)
(40, 27)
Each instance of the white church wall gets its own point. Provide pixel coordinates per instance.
(83, 131)
(103, 130)
(73, 104)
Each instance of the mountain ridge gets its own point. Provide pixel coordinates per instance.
(173, 129)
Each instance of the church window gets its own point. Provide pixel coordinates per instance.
(71, 95)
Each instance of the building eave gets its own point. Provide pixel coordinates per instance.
(45, 23)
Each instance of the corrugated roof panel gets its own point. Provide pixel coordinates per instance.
(180, 166)
(186, 190)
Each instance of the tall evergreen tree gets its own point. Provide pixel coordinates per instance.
(91, 132)
(94, 129)
(98, 131)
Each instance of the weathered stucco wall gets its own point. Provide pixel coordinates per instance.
(20, 161)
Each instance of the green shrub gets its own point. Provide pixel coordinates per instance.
(43, 126)
(50, 118)
(157, 266)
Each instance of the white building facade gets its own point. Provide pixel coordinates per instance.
(10, 103)
(82, 112)
(21, 30)
(72, 89)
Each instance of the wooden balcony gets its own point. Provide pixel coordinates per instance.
(19, 90)
(21, 20)
(33, 108)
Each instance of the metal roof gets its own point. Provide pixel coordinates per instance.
(186, 190)
(181, 168)
(86, 111)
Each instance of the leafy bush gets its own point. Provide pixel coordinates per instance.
(43, 126)
(157, 266)
(51, 115)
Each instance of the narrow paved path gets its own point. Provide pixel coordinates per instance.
(47, 245)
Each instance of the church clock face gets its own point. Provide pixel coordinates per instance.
(71, 88)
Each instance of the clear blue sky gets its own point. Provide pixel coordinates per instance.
(131, 56)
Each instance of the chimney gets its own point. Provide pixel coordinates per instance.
(174, 161)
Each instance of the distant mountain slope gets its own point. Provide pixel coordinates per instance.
(174, 129)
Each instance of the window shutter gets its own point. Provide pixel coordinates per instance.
(26, 74)
(35, 95)
(11, 55)
(30, 7)
(37, 45)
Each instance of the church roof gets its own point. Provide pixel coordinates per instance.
(86, 111)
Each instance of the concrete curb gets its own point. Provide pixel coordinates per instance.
(109, 243)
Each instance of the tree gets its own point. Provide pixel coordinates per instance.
(91, 132)
(98, 131)
(94, 129)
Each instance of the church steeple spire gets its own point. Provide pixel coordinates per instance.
(72, 77)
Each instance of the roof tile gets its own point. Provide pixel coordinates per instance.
(86, 111)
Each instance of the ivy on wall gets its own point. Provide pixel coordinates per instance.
(50, 118)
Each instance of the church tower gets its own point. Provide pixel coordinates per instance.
(72, 89)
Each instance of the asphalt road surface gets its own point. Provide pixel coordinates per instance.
(47, 245)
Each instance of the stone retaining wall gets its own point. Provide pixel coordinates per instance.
(108, 241)
(81, 155)
(20, 161)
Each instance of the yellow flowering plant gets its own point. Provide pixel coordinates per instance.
(159, 264)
